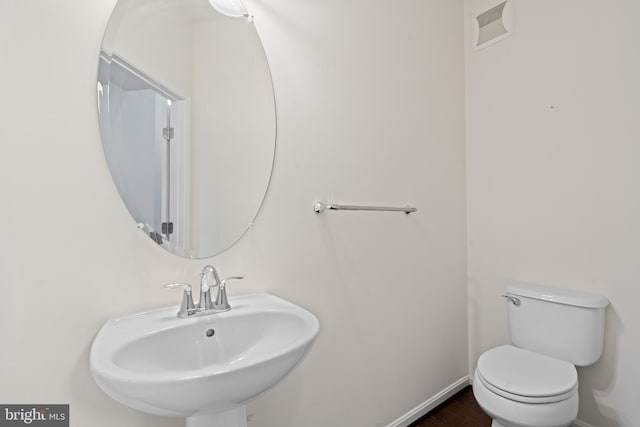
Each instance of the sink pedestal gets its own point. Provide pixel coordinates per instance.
(232, 418)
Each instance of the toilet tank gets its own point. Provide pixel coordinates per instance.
(561, 323)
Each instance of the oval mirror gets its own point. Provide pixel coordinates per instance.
(187, 119)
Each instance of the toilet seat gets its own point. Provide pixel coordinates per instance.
(525, 376)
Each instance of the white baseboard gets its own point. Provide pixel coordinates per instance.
(430, 404)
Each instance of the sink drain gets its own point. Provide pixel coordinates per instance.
(210, 332)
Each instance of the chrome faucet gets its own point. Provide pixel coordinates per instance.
(208, 279)
(208, 274)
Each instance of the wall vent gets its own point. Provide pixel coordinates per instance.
(493, 25)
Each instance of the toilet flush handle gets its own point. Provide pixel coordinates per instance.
(514, 300)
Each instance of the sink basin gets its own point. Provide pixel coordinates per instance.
(190, 368)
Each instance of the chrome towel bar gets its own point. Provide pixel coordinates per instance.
(320, 207)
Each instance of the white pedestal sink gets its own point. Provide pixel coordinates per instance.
(205, 368)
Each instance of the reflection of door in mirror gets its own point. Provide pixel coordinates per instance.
(151, 137)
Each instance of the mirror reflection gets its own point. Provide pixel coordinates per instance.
(187, 120)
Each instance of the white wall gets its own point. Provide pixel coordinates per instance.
(370, 108)
(552, 152)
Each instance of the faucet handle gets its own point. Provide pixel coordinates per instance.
(222, 303)
(187, 307)
(186, 286)
(224, 282)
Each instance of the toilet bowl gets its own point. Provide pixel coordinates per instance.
(534, 382)
(519, 388)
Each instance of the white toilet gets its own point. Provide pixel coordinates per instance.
(533, 382)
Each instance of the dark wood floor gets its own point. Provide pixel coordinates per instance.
(459, 411)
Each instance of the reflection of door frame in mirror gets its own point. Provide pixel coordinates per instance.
(174, 193)
(180, 184)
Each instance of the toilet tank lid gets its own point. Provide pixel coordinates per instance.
(557, 295)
